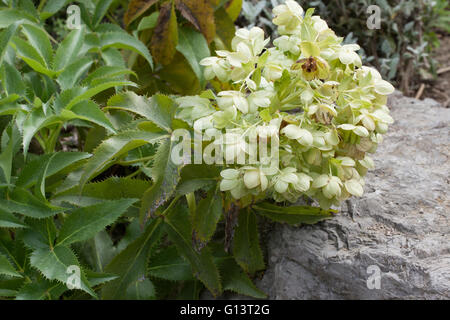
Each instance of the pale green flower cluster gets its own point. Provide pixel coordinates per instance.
(327, 110)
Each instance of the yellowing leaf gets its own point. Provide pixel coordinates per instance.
(165, 37)
(135, 9)
(201, 14)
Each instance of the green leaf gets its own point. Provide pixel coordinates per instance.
(39, 188)
(246, 249)
(234, 279)
(131, 263)
(12, 80)
(179, 230)
(31, 56)
(69, 49)
(51, 7)
(194, 48)
(54, 265)
(61, 160)
(70, 76)
(106, 72)
(141, 289)
(224, 26)
(115, 147)
(208, 213)
(111, 188)
(6, 35)
(23, 202)
(159, 109)
(35, 121)
(8, 220)
(88, 93)
(96, 278)
(6, 157)
(101, 9)
(41, 290)
(293, 214)
(233, 8)
(169, 265)
(165, 176)
(9, 17)
(7, 269)
(165, 35)
(41, 234)
(148, 22)
(89, 111)
(122, 40)
(39, 39)
(84, 223)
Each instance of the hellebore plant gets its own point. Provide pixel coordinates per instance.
(327, 110)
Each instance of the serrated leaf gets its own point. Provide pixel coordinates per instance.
(41, 234)
(8, 220)
(6, 268)
(111, 188)
(69, 49)
(41, 290)
(40, 41)
(71, 74)
(234, 279)
(246, 249)
(135, 9)
(54, 263)
(61, 160)
(207, 214)
(165, 36)
(131, 263)
(122, 40)
(179, 230)
(115, 147)
(201, 14)
(84, 223)
(194, 48)
(293, 214)
(165, 175)
(159, 109)
(169, 265)
(23, 202)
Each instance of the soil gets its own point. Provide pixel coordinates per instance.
(439, 89)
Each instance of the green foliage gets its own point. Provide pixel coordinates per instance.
(86, 175)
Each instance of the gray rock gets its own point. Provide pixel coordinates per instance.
(400, 225)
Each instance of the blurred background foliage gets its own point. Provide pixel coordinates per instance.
(401, 49)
